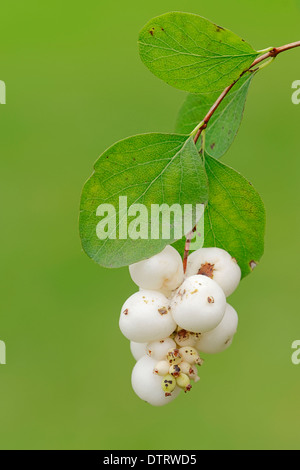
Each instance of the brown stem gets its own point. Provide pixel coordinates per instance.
(272, 53)
(187, 248)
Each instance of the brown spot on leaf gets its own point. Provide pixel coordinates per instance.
(207, 270)
(213, 145)
(219, 28)
(152, 31)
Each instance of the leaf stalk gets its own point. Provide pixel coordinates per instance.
(271, 53)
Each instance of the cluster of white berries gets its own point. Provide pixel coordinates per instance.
(176, 316)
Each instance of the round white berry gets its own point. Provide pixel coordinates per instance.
(173, 356)
(159, 349)
(138, 350)
(168, 384)
(185, 338)
(148, 385)
(162, 272)
(190, 370)
(161, 368)
(167, 293)
(199, 304)
(216, 264)
(221, 337)
(175, 370)
(183, 381)
(145, 317)
(190, 355)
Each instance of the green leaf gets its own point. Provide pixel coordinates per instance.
(225, 122)
(235, 215)
(193, 54)
(148, 169)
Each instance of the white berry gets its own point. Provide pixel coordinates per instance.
(148, 385)
(159, 349)
(138, 350)
(161, 368)
(173, 356)
(145, 317)
(162, 272)
(221, 337)
(216, 264)
(185, 338)
(190, 355)
(199, 304)
(183, 381)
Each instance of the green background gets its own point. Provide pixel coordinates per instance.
(75, 85)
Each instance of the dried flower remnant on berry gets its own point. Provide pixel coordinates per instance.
(163, 311)
(173, 356)
(207, 270)
(175, 370)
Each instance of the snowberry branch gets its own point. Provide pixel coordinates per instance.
(272, 53)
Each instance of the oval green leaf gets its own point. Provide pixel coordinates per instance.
(147, 169)
(225, 122)
(235, 216)
(191, 53)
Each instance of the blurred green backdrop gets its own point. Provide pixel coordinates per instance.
(75, 85)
